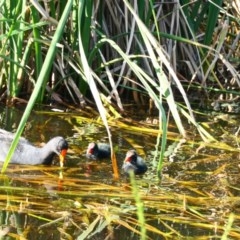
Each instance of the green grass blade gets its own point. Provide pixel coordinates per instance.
(139, 205)
(213, 12)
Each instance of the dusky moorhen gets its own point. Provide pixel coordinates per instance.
(26, 153)
(134, 163)
(98, 151)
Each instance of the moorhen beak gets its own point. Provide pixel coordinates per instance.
(134, 163)
(26, 153)
(98, 151)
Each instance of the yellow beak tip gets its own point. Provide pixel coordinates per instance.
(61, 160)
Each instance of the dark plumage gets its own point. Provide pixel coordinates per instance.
(98, 151)
(26, 153)
(134, 163)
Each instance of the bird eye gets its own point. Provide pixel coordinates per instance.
(62, 144)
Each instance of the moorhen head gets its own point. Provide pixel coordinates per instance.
(98, 151)
(26, 153)
(134, 163)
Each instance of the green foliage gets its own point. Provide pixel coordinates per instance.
(27, 29)
(11, 43)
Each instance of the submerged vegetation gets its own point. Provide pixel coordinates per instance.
(198, 196)
(168, 58)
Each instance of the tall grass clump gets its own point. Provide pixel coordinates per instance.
(175, 47)
(12, 39)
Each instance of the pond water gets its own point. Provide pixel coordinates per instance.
(198, 196)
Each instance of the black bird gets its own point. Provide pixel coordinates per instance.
(26, 153)
(134, 163)
(98, 151)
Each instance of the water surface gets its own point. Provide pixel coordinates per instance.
(196, 197)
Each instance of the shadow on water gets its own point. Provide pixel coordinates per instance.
(198, 192)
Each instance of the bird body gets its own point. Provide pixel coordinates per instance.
(134, 163)
(98, 151)
(26, 153)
